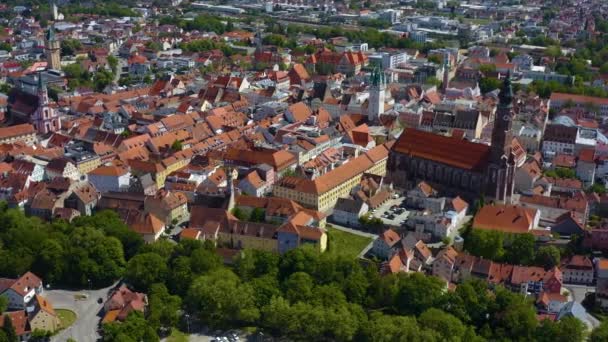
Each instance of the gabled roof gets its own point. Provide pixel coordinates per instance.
(390, 237)
(505, 218)
(19, 320)
(21, 285)
(447, 150)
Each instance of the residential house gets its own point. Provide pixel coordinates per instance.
(444, 262)
(348, 211)
(84, 198)
(62, 167)
(169, 206)
(121, 302)
(383, 245)
(568, 224)
(586, 166)
(138, 65)
(523, 279)
(20, 291)
(110, 178)
(43, 204)
(291, 235)
(42, 316)
(552, 208)
(25, 133)
(21, 324)
(551, 303)
(507, 218)
(148, 225)
(578, 269)
(601, 287)
(253, 184)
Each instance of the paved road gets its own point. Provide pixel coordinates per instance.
(85, 327)
(577, 293)
(353, 231)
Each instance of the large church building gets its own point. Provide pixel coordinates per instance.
(458, 166)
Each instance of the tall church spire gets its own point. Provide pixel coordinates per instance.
(506, 93)
(53, 50)
(501, 134)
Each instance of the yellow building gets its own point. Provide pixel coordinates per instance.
(169, 206)
(88, 164)
(161, 169)
(43, 317)
(323, 192)
(250, 235)
(19, 133)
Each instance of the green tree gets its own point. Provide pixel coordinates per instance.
(485, 243)
(239, 214)
(145, 269)
(447, 326)
(600, 333)
(516, 319)
(597, 188)
(9, 329)
(134, 328)
(520, 250)
(4, 46)
(163, 308)
(220, 298)
(112, 225)
(177, 145)
(3, 303)
(70, 46)
(93, 258)
(299, 287)
(417, 293)
(113, 62)
(203, 260)
(567, 329)
(257, 215)
(180, 275)
(487, 68)
(385, 328)
(487, 84)
(548, 257)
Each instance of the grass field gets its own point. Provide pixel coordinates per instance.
(177, 336)
(343, 243)
(66, 317)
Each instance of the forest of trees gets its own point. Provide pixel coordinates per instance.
(302, 294)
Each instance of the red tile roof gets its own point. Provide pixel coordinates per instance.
(447, 150)
(505, 218)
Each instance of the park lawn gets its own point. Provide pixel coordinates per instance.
(66, 318)
(345, 244)
(177, 336)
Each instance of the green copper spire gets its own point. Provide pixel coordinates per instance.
(50, 35)
(377, 78)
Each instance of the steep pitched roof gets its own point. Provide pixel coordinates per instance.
(505, 218)
(447, 150)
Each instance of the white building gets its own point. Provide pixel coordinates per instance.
(110, 178)
(348, 211)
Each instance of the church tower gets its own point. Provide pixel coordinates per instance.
(45, 119)
(501, 134)
(53, 50)
(446, 73)
(377, 94)
(502, 160)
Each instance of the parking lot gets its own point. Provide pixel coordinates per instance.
(391, 212)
